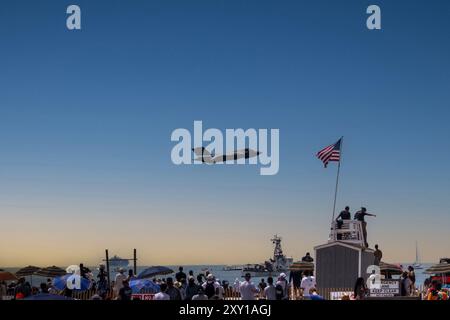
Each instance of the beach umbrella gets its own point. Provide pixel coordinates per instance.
(51, 272)
(27, 271)
(389, 268)
(144, 285)
(154, 271)
(47, 296)
(74, 281)
(7, 276)
(441, 268)
(302, 266)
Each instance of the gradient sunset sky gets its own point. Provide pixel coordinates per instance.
(86, 118)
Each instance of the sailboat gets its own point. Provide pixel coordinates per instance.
(417, 264)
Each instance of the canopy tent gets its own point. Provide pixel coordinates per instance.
(47, 296)
(7, 276)
(51, 272)
(154, 271)
(144, 286)
(302, 266)
(440, 268)
(441, 272)
(389, 269)
(27, 271)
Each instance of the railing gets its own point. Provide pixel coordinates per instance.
(231, 294)
(335, 293)
(83, 295)
(350, 231)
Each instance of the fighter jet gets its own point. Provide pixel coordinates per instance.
(206, 157)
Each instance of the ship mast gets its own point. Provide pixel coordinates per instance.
(417, 254)
(277, 252)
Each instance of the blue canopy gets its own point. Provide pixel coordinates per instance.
(154, 271)
(47, 296)
(316, 297)
(144, 286)
(61, 282)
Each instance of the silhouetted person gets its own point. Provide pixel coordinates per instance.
(191, 288)
(22, 290)
(200, 278)
(180, 274)
(359, 216)
(344, 215)
(412, 278)
(172, 291)
(162, 295)
(270, 292)
(43, 288)
(262, 285)
(102, 283)
(360, 290)
(131, 275)
(125, 292)
(83, 271)
(307, 258)
(378, 254)
(67, 292)
(295, 277)
(405, 284)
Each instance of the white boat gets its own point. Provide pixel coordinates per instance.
(232, 268)
(279, 263)
(417, 264)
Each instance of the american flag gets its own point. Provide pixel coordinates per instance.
(330, 153)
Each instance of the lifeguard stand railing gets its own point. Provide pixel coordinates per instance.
(349, 231)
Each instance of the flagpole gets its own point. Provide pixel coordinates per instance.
(337, 181)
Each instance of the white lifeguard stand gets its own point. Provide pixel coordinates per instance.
(344, 258)
(350, 232)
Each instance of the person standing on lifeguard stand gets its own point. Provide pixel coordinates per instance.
(359, 216)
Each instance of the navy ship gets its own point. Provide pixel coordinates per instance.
(272, 267)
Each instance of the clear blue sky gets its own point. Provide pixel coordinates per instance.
(86, 118)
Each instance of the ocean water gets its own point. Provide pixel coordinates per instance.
(216, 270)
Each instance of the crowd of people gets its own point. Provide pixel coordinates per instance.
(23, 289)
(408, 282)
(434, 291)
(206, 286)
